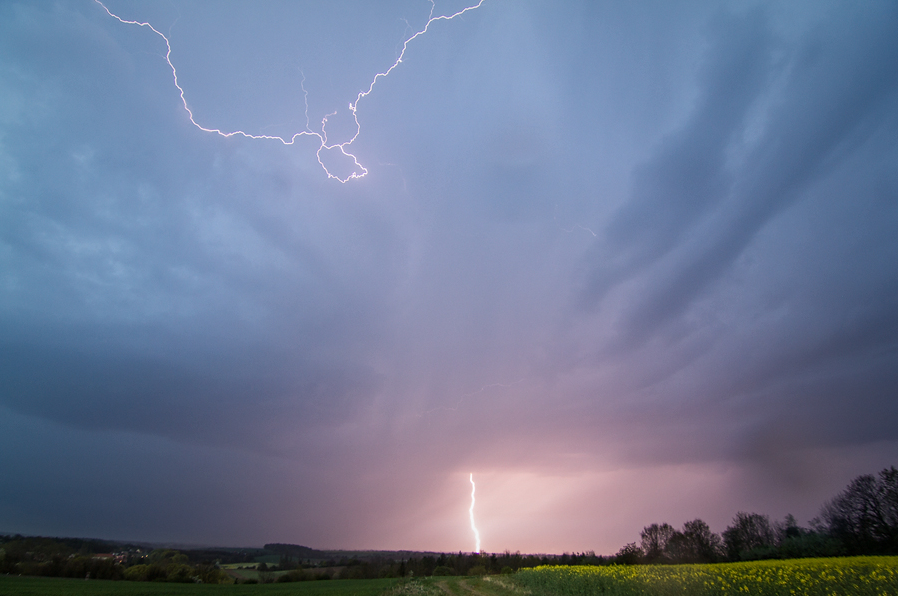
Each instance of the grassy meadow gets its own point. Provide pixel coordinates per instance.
(51, 586)
(430, 586)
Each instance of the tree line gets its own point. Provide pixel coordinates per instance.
(94, 559)
(861, 520)
(375, 564)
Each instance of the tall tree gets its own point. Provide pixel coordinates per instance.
(864, 517)
(654, 541)
(703, 545)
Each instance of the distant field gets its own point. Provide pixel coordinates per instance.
(248, 571)
(851, 576)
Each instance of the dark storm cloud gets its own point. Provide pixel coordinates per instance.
(737, 338)
(688, 175)
(835, 89)
(825, 377)
(209, 399)
(125, 266)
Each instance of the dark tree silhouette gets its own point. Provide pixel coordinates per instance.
(630, 554)
(864, 517)
(654, 541)
(695, 544)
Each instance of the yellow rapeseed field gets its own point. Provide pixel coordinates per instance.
(849, 576)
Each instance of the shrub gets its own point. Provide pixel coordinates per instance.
(137, 573)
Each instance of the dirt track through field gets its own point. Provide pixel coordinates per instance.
(462, 588)
(486, 586)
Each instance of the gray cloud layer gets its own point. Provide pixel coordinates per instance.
(638, 260)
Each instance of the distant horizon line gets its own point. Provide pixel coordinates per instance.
(191, 546)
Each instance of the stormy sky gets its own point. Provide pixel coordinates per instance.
(624, 262)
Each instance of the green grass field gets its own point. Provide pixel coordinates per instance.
(47, 586)
(430, 586)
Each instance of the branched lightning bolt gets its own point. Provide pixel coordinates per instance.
(471, 515)
(472, 394)
(360, 171)
(584, 228)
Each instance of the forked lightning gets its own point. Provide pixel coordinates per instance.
(360, 170)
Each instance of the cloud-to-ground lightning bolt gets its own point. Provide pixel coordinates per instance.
(360, 171)
(471, 515)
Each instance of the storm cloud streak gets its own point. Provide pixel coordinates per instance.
(632, 263)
